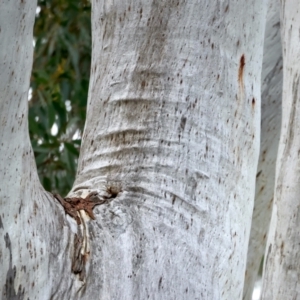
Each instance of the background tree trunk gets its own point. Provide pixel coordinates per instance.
(171, 139)
(281, 278)
(271, 87)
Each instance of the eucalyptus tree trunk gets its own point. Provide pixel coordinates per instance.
(282, 267)
(34, 241)
(271, 87)
(170, 150)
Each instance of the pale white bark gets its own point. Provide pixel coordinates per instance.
(270, 131)
(172, 132)
(173, 122)
(33, 235)
(281, 279)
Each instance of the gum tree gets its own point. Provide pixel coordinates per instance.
(271, 90)
(281, 278)
(162, 202)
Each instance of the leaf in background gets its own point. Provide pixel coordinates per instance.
(51, 115)
(60, 72)
(70, 147)
(47, 183)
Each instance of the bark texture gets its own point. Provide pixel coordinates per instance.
(34, 235)
(171, 144)
(282, 275)
(172, 126)
(271, 87)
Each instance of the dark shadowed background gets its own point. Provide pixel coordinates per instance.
(59, 87)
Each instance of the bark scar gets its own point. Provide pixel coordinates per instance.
(73, 205)
(78, 208)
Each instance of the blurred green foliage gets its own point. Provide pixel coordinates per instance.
(59, 83)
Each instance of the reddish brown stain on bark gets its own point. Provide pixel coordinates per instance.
(253, 103)
(241, 71)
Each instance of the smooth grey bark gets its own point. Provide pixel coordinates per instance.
(282, 267)
(173, 123)
(33, 235)
(171, 138)
(271, 87)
